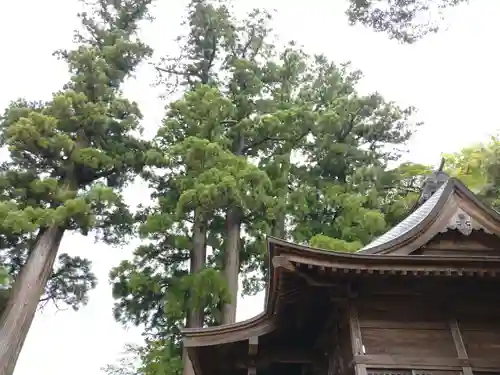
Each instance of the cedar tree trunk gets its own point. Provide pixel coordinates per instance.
(232, 264)
(197, 262)
(25, 295)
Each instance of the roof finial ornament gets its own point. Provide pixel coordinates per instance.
(432, 183)
(441, 165)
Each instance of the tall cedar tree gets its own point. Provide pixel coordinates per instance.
(224, 53)
(404, 20)
(70, 158)
(202, 182)
(233, 172)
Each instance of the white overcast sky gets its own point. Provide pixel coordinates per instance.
(452, 78)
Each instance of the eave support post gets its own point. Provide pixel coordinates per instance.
(253, 349)
(356, 340)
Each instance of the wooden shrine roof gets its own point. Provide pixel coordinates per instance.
(451, 210)
(451, 202)
(287, 257)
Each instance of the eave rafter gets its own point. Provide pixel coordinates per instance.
(403, 266)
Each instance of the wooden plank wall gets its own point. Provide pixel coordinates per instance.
(410, 335)
(453, 243)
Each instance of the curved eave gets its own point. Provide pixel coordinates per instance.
(494, 215)
(256, 326)
(299, 254)
(287, 256)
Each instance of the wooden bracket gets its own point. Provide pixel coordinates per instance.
(283, 262)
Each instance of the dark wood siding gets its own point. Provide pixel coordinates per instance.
(409, 341)
(427, 335)
(405, 326)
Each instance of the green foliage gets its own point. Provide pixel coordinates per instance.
(401, 188)
(4, 276)
(339, 190)
(4, 288)
(404, 20)
(70, 157)
(478, 167)
(280, 138)
(324, 242)
(154, 357)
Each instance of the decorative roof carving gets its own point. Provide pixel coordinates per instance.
(464, 223)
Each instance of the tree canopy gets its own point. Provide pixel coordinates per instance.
(404, 20)
(265, 140)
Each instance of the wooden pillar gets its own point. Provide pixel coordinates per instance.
(253, 348)
(356, 340)
(459, 345)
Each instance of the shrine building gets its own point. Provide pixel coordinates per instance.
(422, 299)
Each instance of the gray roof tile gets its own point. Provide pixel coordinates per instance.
(410, 222)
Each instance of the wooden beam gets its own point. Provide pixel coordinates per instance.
(459, 345)
(253, 346)
(281, 261)
(224, 334)
(266, 357)
(481, 364)
(355, 330)
(389, 324)
(399, 361)
(193, 359)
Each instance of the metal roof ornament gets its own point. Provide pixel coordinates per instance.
(433, 183)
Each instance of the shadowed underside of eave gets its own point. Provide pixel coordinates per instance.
(299, 260)
(308, 293)
(304, 285)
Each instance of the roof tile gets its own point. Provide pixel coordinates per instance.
(410, 222)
